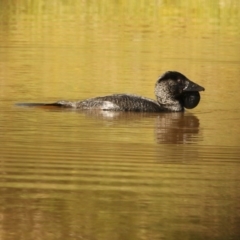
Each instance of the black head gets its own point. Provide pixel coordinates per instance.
(178, 83)
(172, 75)
(176, 86)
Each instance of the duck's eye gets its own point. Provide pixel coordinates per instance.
(179, 80)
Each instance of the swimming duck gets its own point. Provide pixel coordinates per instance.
(173, 92)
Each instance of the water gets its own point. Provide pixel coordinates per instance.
(78, 175)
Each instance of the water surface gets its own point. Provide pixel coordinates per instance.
(81, 175)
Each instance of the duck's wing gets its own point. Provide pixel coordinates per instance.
(120, 102)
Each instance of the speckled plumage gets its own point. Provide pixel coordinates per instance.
(115, 102)
(170, 90)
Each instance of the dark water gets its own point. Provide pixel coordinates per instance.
(82, 175)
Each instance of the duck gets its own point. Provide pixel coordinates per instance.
(173, 91)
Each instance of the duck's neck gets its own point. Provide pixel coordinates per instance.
(170, 104)
(166, 99)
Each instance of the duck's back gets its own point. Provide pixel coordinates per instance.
(117, 102)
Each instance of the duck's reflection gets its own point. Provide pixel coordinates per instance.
(170, 128)
(176, 128)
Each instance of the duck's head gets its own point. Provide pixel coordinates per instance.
(175, 91)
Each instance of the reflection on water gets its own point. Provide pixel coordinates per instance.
(171, 128)
(177, 128)
(108, 175)
(91, 175)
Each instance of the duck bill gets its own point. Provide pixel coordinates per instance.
(192, 87)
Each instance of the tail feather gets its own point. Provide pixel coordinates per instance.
(39, 104)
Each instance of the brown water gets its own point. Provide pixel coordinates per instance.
(73, 175)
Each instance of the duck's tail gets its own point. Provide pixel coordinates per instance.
(39, 104)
